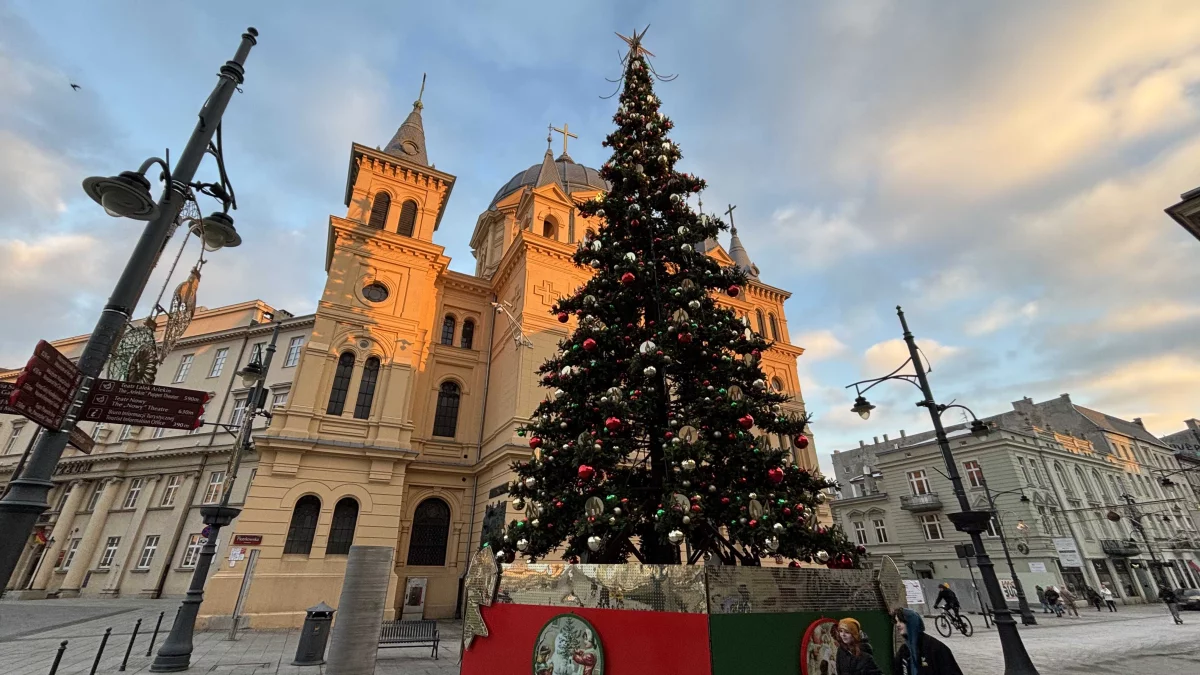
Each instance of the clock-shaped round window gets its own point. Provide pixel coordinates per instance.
(410, 148)
(375, 292)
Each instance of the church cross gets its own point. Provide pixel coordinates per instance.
(729, 212)
(566, 132)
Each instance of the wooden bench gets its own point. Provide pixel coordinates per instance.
(409, 634)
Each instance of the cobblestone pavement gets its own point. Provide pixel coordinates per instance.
(1137, 639)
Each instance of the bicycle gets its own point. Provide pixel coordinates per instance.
(946, 623)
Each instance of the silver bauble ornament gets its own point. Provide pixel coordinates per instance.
(778, 527)
(522, 544)
(593, 543)
(530, 482)
(675, 536)
(772, 543)
(823, 556)
(650, 371)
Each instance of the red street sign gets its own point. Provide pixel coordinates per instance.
(6, 392)
(81, 441)
(143, 405)
(247, 539)
(46, 387)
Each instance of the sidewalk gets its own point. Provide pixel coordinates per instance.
(31, 631)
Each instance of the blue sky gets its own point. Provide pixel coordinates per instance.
(999, 170)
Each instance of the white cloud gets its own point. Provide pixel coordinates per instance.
(945, 286)
(1001, 314)
(1149, 316)
(1162, 390)
(810, 237)
(819, 345)
(883, 357)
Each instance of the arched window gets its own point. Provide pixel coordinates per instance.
(1100, 488)
(366, 388)
(341, 531)
(550, 228)
(468, 334)
(776, 384)
(379, 210)
(341, 384)
(408, 218)
(762, 326)
(774, 327)
(1083, 484)
(445, 419)
(1062, 478)
(303, 526)
(430, 530)
(448, 330)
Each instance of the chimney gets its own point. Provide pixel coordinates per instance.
(885, 438)
(876, 439)
(902, 434)
(1138, 421)
(862, 444)
(1065, 397)
(1193, 424)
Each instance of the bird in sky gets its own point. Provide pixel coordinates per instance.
(75, 86)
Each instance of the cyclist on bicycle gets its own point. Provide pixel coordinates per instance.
(947, 596)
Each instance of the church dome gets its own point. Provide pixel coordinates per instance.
(575, 177)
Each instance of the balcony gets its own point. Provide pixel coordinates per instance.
(919, 503)
(1120, 547)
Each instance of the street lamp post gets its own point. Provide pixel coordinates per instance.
(176, 652)
(1136, 520)
(1016, 658)
(1027, 617)
(126, 195)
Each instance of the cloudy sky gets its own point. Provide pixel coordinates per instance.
(999, 169)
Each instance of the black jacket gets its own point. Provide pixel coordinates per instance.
(936, 659)
(947, 596)
(1051, 597)
(863, 664)
(1167, 596)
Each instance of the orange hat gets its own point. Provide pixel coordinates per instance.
(853, 627)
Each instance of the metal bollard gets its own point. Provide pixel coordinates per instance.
(129, 649)
(62, 647)
(100, 651)
(153, 638)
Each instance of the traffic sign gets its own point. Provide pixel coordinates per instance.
(144, 405)
(46, 387)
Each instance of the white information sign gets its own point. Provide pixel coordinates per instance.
(1068, 554)
(912, 592)
(1037, 567)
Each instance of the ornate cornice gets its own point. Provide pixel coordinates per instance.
(361, 155)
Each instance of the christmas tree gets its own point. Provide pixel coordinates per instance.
(647, 437)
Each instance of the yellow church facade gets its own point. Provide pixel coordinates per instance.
(402, 418)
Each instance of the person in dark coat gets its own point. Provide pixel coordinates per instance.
(1052, 597)
(1093, 597)
(920, 653)
(950, 598)
(854, 656)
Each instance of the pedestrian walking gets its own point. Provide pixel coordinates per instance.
(1107, 594)
(1068, 601)
(1041, 596)
(1171, 599)
(1052, 597)
(920, 653)
(1093, 597)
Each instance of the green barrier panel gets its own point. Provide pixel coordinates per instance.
(770, 644)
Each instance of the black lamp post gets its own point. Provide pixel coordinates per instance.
(1016, 658)
(127, 195)
(1027, 617)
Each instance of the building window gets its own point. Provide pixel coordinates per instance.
(408, 218)
(303, 526)
(257, 352)
(379, 210)
(860, 531)
(126, 432)
(991, 530)
(171, 490)
(239, 411)
(856, 489)
(777, 384)
(192, 553)
(445, 418)
(762, 323)
(1062, 478)
(549, 228)
(448, 330)
(366, 388)
(279, 400)
(218, 362)
(11, 446)
(430, 532)
(974, 473)
(131, 497)
(918, 482)
(212, 493)
(341, 384)
(880, 530)
(62, 498)
(95, 496)
(932, 527)
(341, 531)
(70, 557)
(774, 327)
(467, 341)
(1025, 470)
(199, 426)
(293, 351)
(110, 551)
(148, 550)
(185, 367)
(158, 432)
(1037, 473)
(1084, 484)
(98, 430)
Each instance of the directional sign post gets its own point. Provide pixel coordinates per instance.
(143, 405)
(78, 438)
(46, 387)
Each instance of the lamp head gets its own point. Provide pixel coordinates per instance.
(124, 196)
(1022, 526)
(862, 407)
(217, 232)
(979, 429)
(252, 373)
(1024, 498)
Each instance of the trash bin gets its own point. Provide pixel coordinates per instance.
(314, 636)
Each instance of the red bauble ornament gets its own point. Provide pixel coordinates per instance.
(590, 344)
(775, 475)
(746, 421)
(535, 442)
(563, 316)
(802, 441)
(787, 511)
(685, 338)
(724, 500)
(612, 423)
(695, 508)
(586, 472)
(733, 290)
(627, 278)
(753, 523)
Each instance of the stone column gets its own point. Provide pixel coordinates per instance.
(133, 536)
(169, 548)
(91, 536)
(60, 535)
